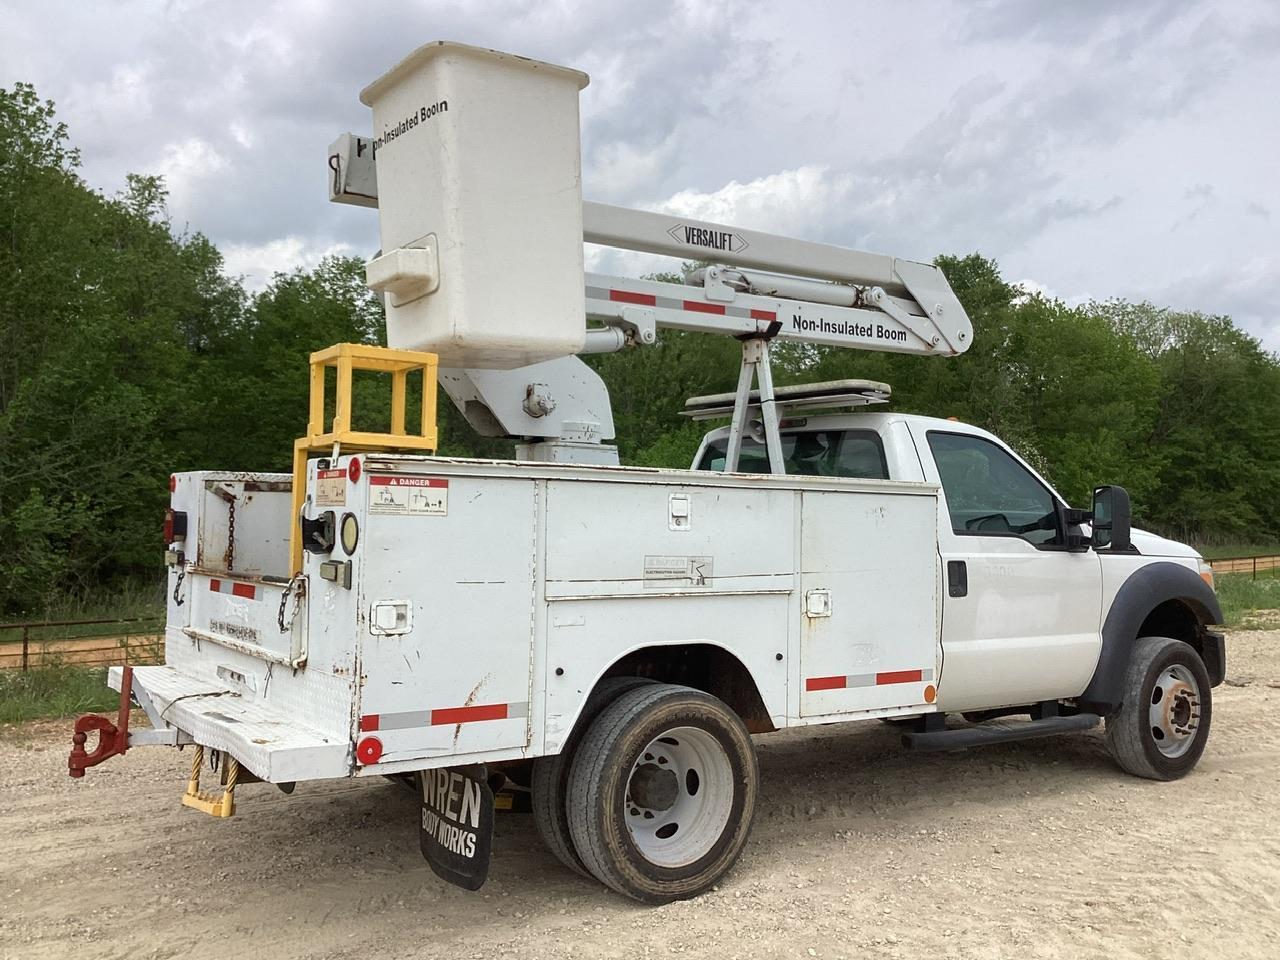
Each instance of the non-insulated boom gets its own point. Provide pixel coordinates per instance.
(482, 229)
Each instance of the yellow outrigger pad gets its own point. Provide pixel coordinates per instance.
(215, 805)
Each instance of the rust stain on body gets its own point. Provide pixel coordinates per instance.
(470, 701)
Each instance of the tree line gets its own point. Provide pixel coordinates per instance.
(126, 353)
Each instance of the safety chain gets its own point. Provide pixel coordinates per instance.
(177, 587)
(298, 582)
(231, 533)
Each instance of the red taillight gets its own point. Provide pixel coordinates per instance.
(173, 482)
(175, 525)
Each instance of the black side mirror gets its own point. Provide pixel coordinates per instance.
(1111, 519)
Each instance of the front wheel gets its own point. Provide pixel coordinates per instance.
(1161, 729)
(662, 793)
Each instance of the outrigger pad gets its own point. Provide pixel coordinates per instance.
(456, 833)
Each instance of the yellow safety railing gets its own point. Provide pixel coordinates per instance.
(346, 358)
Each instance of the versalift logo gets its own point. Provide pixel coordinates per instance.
(708, 238)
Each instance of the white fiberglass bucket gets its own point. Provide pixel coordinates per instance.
(480, 204)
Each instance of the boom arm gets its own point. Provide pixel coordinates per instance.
(759, 287)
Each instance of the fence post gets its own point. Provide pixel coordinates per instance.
(24, 647)
(1255, 568)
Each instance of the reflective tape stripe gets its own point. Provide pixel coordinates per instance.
(246, 590)
(900, 676)
(813, 684)
(699, 306)
(409, 719)
(671, 303)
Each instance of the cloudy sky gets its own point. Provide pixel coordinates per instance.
(1095, 148)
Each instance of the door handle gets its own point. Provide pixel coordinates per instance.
(957, 578)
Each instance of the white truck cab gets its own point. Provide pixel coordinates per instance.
(607, 637)
(1025, 602)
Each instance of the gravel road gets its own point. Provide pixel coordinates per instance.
(1038, 849)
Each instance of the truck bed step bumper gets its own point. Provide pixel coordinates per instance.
(272, 744)
(978, 736)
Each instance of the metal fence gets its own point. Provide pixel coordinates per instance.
(1251, 565)
(84, 643)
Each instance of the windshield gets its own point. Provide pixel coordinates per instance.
(814, 453)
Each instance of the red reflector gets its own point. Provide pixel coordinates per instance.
(369, 750)
(246, 590)
(353, 470)
(763, 315)
(369, 723)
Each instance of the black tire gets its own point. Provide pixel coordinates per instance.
(1133, 740)
(549, 782)
(602, 775)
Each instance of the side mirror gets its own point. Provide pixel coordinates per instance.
(1111, 519)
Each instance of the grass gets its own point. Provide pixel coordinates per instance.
(1241, 597)
(54, 691)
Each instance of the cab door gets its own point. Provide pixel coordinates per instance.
(1021, 619)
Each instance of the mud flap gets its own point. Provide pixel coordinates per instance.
(456, 832)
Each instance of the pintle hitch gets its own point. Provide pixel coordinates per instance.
(113, 738)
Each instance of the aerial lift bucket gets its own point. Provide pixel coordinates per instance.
(479, 178)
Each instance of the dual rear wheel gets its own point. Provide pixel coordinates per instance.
(657, 794)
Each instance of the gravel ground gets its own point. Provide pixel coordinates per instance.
(1037, 849)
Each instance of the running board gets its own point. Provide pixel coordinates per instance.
(964, 737)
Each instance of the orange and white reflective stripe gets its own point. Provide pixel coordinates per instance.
(474, 713)
(246, 590)
(812, 684)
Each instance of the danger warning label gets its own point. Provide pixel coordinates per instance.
(331, 487)
(409, 495)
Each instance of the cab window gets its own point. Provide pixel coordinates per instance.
(814, 453)
(989, 493)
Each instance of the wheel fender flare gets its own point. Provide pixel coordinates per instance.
(1144, 590)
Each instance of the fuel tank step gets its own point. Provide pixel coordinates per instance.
(964, 737)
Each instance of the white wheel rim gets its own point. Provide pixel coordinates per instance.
(1173, 712)
(687, 829)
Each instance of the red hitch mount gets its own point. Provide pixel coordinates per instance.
(113, 738)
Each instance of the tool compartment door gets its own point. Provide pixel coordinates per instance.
(458, 551)
(869, 601)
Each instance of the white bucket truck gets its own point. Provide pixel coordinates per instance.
(612, 636)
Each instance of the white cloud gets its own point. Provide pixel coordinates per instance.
(796, 202)
(258, 263)
(1061, 139)
(186, 167)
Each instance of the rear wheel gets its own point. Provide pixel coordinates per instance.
(549, 782)
(662, 792)
(1161, 729)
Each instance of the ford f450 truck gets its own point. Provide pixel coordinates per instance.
(613, 637)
